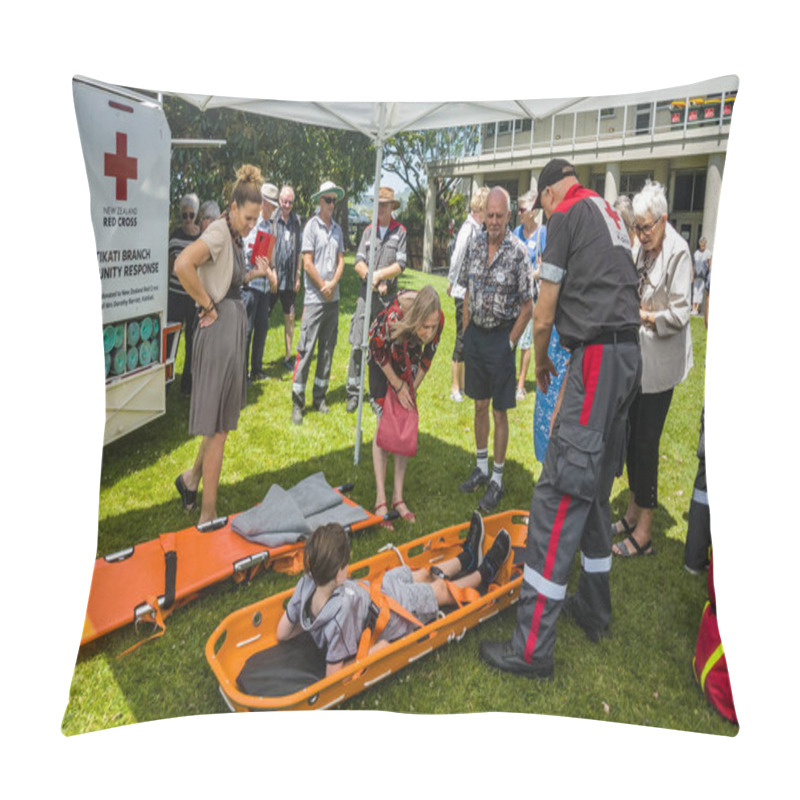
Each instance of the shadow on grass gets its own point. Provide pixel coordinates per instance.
(169, 676)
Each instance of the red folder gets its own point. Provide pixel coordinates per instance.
(263, 246)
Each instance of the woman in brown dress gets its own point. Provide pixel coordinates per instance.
(211, 270)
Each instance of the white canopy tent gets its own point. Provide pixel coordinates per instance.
(379, 121)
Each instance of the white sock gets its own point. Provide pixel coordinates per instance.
(483, 461)
(497, 473)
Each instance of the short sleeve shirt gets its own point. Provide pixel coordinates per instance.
(249, 241)
(325, 244)
(338, 627)
(391, 249)
(589, 253)
(496, 291)
(385, 350)
(287, 249)
(178, 240)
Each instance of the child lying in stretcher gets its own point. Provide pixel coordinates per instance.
(335, 610)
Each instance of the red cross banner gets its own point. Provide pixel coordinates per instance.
(126, 148)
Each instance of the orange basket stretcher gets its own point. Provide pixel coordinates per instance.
(146, 582)
(247, 637)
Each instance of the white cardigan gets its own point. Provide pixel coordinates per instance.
(667, 346)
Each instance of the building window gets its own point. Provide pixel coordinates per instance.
(633, 182)
(598, 184)
(505, 127)
(690, 191)
(642, 120)
(608, 113)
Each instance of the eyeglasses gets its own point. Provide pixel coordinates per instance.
(187, 215)
(646, 228)
(328, 199)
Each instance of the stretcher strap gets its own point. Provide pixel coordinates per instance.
(385, 605)
(461, 594)
(162, 610)
(158, 619)
(170, 568)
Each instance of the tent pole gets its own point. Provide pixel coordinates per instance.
(371, 268)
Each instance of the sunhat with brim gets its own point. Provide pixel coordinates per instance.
(386, 195)
(269, 192)
(329, 187)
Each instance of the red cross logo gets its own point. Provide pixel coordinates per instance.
(121, 166)
(613, 214)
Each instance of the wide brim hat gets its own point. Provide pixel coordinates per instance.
(386, 195)
(329, 187)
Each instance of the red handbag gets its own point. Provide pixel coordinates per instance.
(398, 427)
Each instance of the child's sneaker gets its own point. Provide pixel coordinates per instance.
(471, 553)
(495, 557)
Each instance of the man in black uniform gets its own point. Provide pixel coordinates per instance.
(588, 289)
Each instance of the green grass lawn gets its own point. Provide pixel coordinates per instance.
(641, 674)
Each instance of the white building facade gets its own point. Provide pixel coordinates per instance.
(680, 142)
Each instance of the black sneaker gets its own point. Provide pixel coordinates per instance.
(297, 415)
(476, 479)
(322, 406)
(352, 405)
(492, 496)
(495, 557)
(471, 553)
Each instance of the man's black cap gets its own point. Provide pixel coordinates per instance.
(554, 170)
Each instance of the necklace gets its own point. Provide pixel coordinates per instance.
(648, 260)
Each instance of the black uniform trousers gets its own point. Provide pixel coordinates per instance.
(570, 506)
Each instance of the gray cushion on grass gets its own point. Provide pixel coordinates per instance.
(287, 516)
(276, 521)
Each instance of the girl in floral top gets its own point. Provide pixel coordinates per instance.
(402, 342)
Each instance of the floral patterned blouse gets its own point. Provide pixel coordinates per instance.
(384, 350)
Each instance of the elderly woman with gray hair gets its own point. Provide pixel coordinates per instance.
(664, 267)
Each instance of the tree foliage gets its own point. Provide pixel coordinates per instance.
(406, 155)
(286, 152)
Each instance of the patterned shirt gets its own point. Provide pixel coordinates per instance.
(178, 239)
(497, 290)
(384, 350)
(287, 249)
(260, 284)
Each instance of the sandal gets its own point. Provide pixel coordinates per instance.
(188, 496)
(407, 515)
(384, 523)
(627, 528)
(623, 550)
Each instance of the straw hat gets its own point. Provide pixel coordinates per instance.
(269, 192)
(386, 195)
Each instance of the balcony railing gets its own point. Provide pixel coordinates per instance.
(687, 118)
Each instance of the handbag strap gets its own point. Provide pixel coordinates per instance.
(408, 371)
